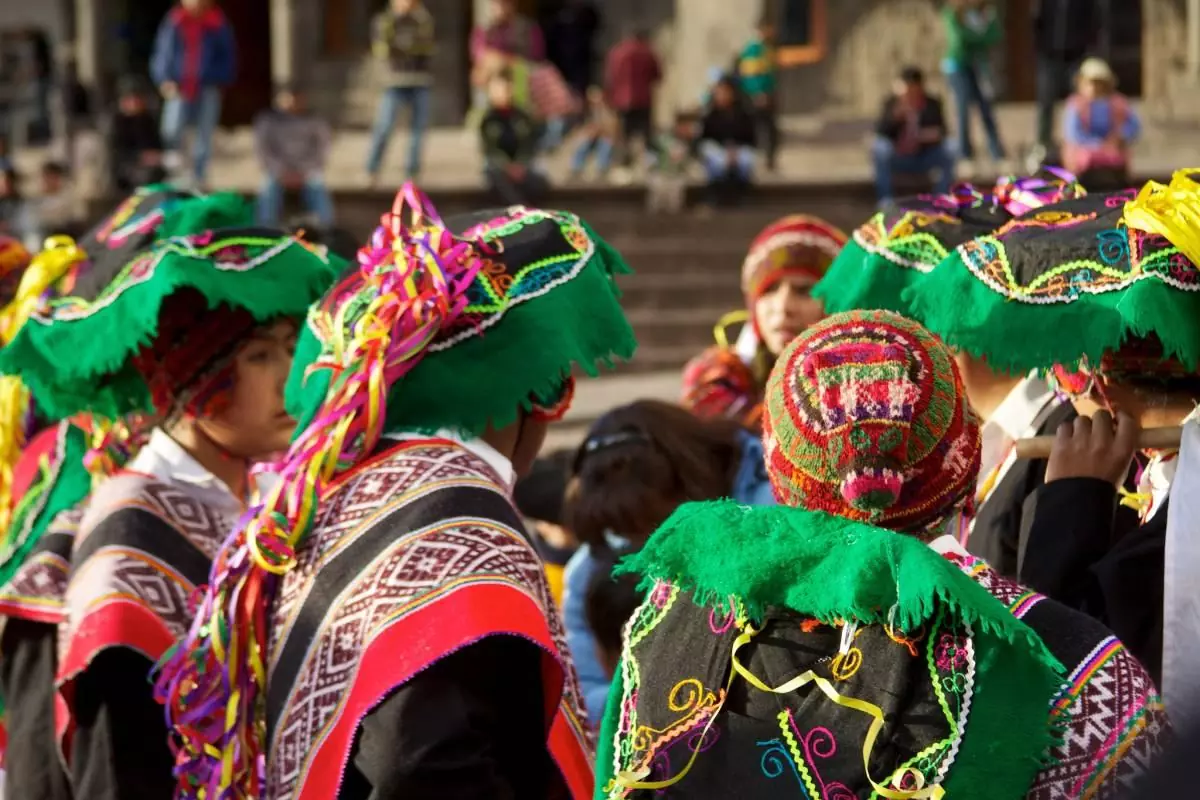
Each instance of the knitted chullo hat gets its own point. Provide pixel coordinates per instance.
(1077, 280)
(866, 418)
(458, 324)
(797, 245)
(898, 245)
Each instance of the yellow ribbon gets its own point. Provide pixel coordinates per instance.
(634, 779)
(1171, 211)
(721, 329)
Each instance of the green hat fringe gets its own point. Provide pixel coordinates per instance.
(834, 569)
(79, 361)
(486, 380)
(863, 279)
(971, 315)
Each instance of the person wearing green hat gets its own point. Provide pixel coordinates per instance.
(1106, 292)
(842, 644)
(197, 332)
(896, 255)
(409, 645)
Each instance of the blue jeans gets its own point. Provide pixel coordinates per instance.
(886, 160)
(715, 158)
(417, 100)
(202, 113)
(964, 82)
(314, 194)
(597, 146)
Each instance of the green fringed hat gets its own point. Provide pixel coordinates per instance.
(911, 236)
(1074, 281)
(543, 302)
(76, 353)
(151, 213)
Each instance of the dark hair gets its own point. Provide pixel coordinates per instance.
(911, 74)
(56, 168)
(610, 601)
(642, 461)
(539, 495)
(131, 84)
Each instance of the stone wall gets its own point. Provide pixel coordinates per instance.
(1169, 92)
(867, 42)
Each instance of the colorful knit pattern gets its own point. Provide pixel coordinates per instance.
(1077, 279)
(866, 418)
(797, 245)
(188, 366)
(718, 384)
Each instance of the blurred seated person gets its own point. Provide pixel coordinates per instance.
(17, 217)
(510, 139)
(135, 140)
(667, 179)
(57, 208)
(597, 136)
(293, 147)
(1099, 124)
(911, 137)
(727, 142)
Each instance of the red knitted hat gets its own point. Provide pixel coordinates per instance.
(796, 245)
(717, 383)
(188, 367)
(866, 418)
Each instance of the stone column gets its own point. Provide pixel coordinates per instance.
(706, 35)
(283, 41)
(89, 28)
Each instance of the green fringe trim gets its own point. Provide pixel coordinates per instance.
(82, 364)
(1017, 337)
(486, 381)
(831, 569)
(859, 279)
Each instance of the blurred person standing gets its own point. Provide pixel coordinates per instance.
(292, 145)
(135, 146)
(404, 39)
(195, 58)
(1063, 31)
(972, 30)
(757, 69)
(508, 41)
(510, 142)
(631, 74)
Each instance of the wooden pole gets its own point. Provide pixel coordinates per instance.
(1148, 439)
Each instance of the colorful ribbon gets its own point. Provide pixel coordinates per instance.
(1021, 195)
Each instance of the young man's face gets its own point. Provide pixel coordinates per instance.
(723, 95)
(195, 5)
(52, 182)
(404, 6)
(289, 102)
(767, 33)
(254, 424)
